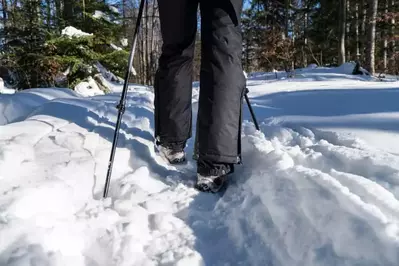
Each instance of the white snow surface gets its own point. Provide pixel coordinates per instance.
(114, 9)
(319, 184)
(124, 42)
(88, 88)
(4, 89)
(115, 47)
(74, 32)
(99, 14)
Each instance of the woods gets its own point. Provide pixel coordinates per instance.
(278, 35)
(296, 33)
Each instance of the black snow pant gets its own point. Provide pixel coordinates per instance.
(222, 82)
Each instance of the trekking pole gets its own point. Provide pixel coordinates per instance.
(251, 110)
(121, 105)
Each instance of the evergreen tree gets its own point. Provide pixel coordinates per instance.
(37, 52)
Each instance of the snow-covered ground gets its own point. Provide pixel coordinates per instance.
(319, 184)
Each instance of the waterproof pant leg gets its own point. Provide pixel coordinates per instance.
(222, 84)
(173, 81)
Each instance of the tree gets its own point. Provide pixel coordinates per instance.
(37, 53)
(370, 51)
(342, 28)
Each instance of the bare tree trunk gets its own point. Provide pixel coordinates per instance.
(68, 11)
(392, 33)
(4, 5)
(58, 13)
(5, 18)
(38, 12)
(152, 44)
(348, 31)
(342, 29)
(48, 13)
(363, 29)
(357, 31)
(287, 6)
(321, 57)
(385, 40)
(146, 48)
(84, 9)
(305, 32)
(370, 54)
(124, 10)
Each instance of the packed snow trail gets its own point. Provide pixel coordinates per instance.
(303, 196)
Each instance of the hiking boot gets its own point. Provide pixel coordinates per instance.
(211, 176)
(210, 183)
(173, 156)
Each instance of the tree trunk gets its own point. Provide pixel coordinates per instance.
(4, 5)
(363, 38)
(392, 34)
(370, 54)
(84, 9)
(48, 13)
(357, 32)
(305, 33)
(152, 40)
(385, 40)
(146, 48)
(68, 12)
(58, 14)
(342, 30)
(287, 6)
(38, 13)
(124, 11)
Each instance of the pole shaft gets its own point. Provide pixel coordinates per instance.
(121, 105)
(252, 111)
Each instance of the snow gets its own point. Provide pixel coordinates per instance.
(115, 47)
(5, 90)
(114, 9)
(74, 32)
(108, 75)
(124, 42)
(88, 88)
(18, 106)
(99, 14)
(319, 184)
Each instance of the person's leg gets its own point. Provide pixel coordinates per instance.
(222, 86)
(173, 81)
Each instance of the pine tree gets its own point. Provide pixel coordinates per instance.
(37, 53)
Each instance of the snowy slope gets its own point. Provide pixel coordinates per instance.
(15, 107)
(319, 183)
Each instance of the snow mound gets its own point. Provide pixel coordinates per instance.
(312, 66)
(73, 32)
(346, 68)
(18, 106)
(88, 88)
(316, 73)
